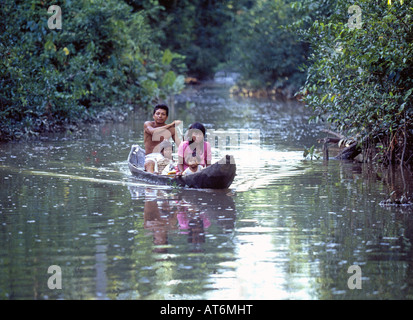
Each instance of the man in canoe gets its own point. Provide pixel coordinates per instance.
(155, 132)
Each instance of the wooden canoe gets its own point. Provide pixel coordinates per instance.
(219, 175)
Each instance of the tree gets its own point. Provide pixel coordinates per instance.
(265, 52)
(104, 56)
(200, 30)
(360, 79)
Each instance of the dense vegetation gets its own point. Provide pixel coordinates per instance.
(360, 79)
(119, 53)
(114, 54)
(246, 36)
(103, 56)
(265, 53)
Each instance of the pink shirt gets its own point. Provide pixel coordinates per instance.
(184, 220)
(184, 150)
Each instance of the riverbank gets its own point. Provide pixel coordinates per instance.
(290, 228)
(24, 126)
(283, 94)
(42, 127)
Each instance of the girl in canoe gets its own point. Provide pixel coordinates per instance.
(194, 146)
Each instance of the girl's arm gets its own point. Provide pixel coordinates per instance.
(180, 165)
(181, 157)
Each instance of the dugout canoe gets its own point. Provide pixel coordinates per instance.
(219, 175)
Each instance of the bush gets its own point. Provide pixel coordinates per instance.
(103, 57)
(265, 52)
(360, 80)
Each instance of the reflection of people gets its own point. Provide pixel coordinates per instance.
(193, 165)
(166, 212)
(155, 132)
(159, 221)
(195, 222)
(195, 146)
(196, 231)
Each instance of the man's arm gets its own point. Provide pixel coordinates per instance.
(148, 128)
(154, 135)
(176, 135)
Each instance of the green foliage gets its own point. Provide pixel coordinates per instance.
(104, 56)
(115, 53)
(246, 36)
(200, 30)
(360, 80)
(265, 52)
(310, 153)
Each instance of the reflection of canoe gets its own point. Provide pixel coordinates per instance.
(217, 176)
(218, 204)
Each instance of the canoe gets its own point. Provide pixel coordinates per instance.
(219, 175)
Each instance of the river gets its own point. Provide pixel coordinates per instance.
(288, 228)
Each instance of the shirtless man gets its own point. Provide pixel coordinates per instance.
(155, 132)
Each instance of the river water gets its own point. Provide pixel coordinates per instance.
(288, 228)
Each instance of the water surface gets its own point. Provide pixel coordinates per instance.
(288, 228)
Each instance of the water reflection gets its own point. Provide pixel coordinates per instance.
(159, 221)
(190, 233)
(288, 229)
(100, 267)
(188, 212)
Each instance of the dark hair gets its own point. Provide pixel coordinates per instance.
(161, 106)
(198, 126)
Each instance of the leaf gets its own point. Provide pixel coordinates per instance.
(168, 79)
(167, 57)
(151, 75)
(179, 84)
(409, 92)
(50, 46)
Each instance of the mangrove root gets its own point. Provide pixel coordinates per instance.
(349, 148)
